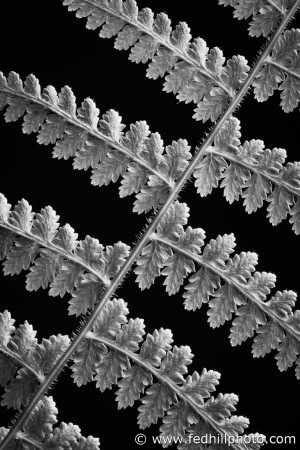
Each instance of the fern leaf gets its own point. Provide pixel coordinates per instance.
(88, 355)
(265, 16)
(19, 347)
(175, 422)
(6, 328)
(268, 338)
(199, 387)
(42, 419)
(155, 253)
(201, 286)
(150, 263)
(289, 349)
(113, 363)
(20, 344)
(126, 359)
(252, 172)
(87, 293)
(280, 71)
(136, 378)
(49, 351)
(191, 71)
(139, 157)
(55, 257)
(248, 320)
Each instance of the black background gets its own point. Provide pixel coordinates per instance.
(43, 38)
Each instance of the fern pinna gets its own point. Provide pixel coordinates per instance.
(148, 169)
(246, 171)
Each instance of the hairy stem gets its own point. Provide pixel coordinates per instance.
(147, 234)
(240, 287)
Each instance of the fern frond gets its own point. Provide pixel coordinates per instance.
(251, 172)
(38, 431)
(122, 356)
(194, 73)
(24, 362)
(55, 257)
(281, 72)
(266, 14)
(229, 284)
(146, 166)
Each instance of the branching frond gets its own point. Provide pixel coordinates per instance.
(55, 257)
(228, 284)
(251, 172)
(266, 14)
(281, 71)
(116, 352)
(23, 361)
(194, 73)
(39, 433)
(146, 166)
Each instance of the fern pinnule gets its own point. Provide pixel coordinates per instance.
(38, 432)
(229, 284)
(251, 172)
(55, 257)
(194, 73)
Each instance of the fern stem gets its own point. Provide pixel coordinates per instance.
(146, 236)
(275, 6)
(164, 379)
(276, 180)
(165, 44)
(57, 250)
(22, 437)
(291, 72)
(242, 289)
(21, 362)
(92, 132)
